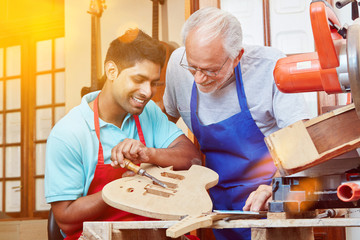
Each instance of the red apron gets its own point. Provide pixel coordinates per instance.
(105, 173)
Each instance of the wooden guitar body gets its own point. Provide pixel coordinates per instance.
(186, 193)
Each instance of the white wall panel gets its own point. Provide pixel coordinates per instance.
(290, 26)
(250, 15)
(291, 32)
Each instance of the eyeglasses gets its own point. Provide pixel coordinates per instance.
(193, 70)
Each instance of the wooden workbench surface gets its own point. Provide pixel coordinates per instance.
(106, 230)
(284, 223)
(243, 223)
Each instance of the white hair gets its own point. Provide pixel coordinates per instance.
(210, 23)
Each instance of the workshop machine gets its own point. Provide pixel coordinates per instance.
(333, 68)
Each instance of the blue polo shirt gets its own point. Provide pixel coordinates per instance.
(72, 146)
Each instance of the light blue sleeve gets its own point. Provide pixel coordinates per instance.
(162, 131)
(64, 173)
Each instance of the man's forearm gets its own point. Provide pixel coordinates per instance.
(181, 154)
(70, 215)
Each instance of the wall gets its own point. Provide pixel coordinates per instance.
(118, 16)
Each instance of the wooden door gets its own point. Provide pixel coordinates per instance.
(32, 99)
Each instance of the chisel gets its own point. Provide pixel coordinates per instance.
(138, 170)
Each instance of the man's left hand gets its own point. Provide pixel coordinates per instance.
(258, 200)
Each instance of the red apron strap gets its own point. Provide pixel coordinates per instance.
(97, 130)
(140, 132)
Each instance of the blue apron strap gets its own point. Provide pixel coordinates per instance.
(240, 88)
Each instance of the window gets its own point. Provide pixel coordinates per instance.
(32, 99)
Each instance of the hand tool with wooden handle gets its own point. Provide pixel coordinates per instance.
(138, 170)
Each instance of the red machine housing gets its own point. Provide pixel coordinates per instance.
(314, 71)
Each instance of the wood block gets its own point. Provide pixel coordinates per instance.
(186, 193)
(289, 233)
(305, 144)
(134, 230)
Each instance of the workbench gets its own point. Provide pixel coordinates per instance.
(262, 229)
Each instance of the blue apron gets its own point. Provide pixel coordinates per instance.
(236, 150)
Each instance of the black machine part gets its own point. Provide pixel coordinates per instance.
(300, 194)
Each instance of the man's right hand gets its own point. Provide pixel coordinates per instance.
(131, 149)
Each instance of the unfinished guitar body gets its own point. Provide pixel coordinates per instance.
(186, 193)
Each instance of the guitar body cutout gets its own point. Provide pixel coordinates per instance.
(186, 193)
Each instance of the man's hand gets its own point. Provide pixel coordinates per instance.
(131, 149)
(259, 199)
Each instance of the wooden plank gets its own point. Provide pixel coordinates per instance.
(189, 224)
(287, 223)
(135, 230)
(258, 234)
(305, 144)
(146, 234)
(289, 233)
(335, 131)
(262, 229)
(242, 223)
(143, 224)
(290, 146)
(97, 230)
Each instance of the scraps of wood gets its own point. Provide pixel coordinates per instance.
(186, 193)
(305, 144)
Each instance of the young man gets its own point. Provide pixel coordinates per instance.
(118, 122)
(226, 94)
